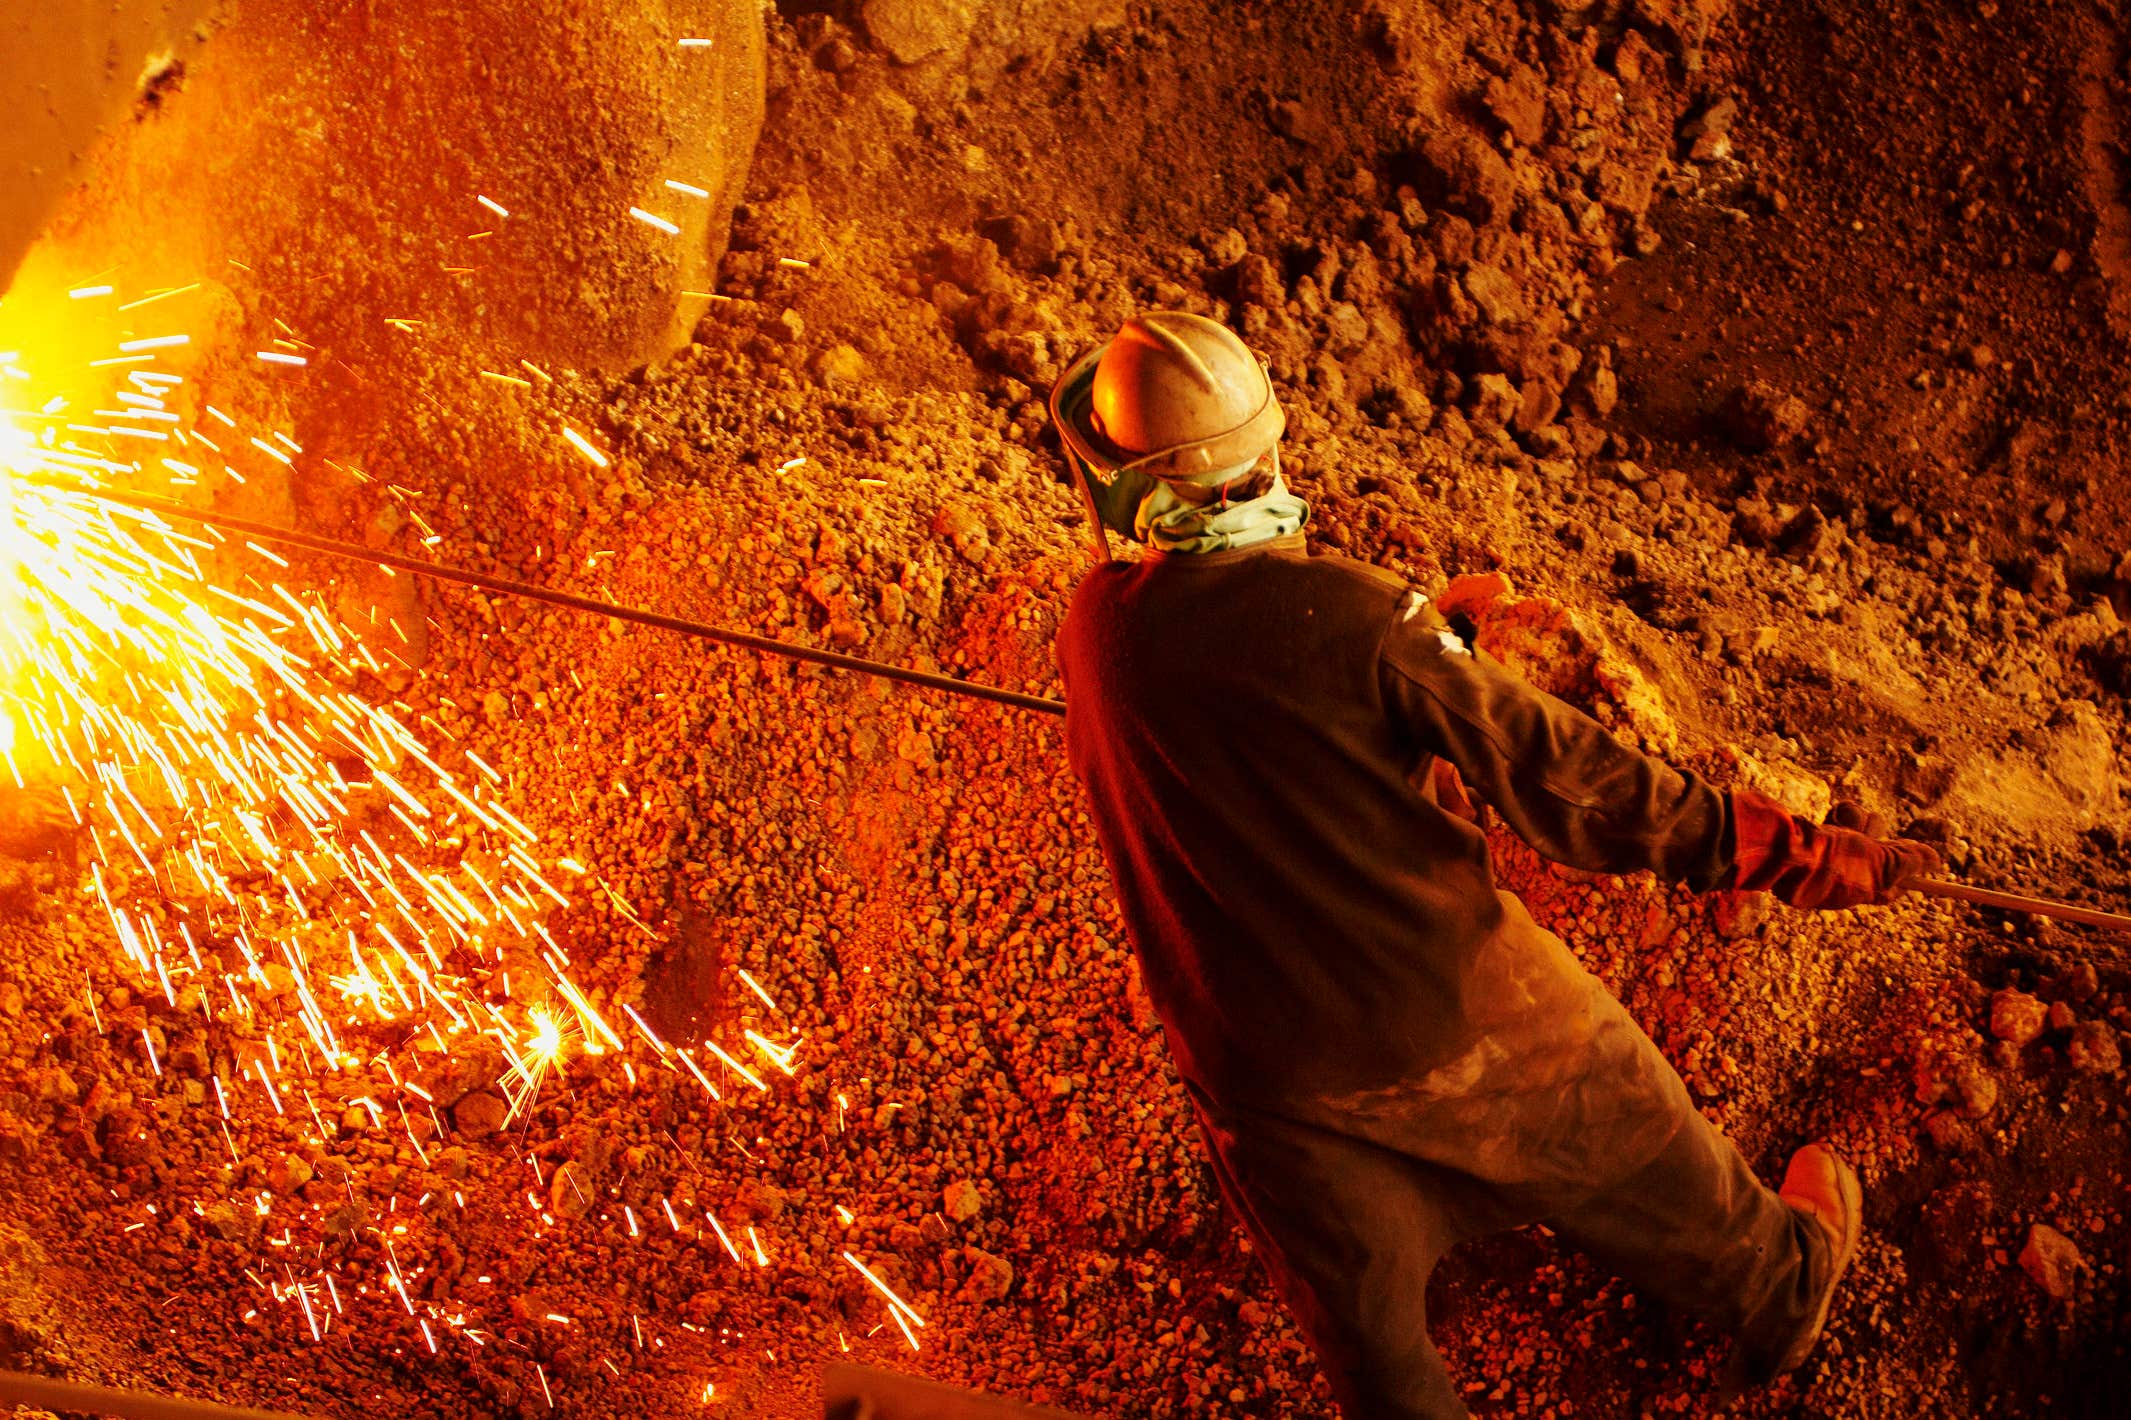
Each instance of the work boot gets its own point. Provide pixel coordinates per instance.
(1824, 1188)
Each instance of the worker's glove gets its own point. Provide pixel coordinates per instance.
(1857, 816)
(1451, 795)
(1817, 865)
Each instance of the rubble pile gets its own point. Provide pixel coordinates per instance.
(1426, 218)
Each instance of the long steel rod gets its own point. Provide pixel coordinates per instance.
(2014, 902)
(45, 1394)
(443, 572)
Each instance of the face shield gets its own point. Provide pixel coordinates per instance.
(1113, 485)
(1111, 496)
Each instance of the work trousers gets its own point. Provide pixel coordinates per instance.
(1352, 1213)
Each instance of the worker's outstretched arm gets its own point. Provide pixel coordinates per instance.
(1571, 790)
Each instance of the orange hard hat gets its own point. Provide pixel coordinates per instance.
(1175, 396)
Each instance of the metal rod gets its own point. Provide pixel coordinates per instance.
(444, 572)
(2014, 902)
(46, 1394)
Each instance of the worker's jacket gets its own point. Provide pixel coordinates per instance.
(1314, 929)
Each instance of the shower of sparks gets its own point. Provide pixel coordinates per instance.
(263, 836)
(267, 841)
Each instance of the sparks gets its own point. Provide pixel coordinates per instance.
(898, 1308)
(584, 446)
(199, 736)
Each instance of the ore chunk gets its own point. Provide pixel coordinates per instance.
(962, 1200)
(2016, 1017)
(1759, 416)
(2051, 1260)
(2094, 1048)
(990, 1276)
(480, 1114)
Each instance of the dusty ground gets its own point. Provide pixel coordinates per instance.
(1829, 507)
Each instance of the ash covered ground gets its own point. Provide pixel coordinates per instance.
(1749, 375)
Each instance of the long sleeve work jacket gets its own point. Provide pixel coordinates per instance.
(1255, 731)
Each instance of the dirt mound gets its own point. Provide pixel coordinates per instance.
(1466, 235)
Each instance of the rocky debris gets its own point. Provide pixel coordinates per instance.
(2094, 1049)
(1759, 416)
(912, 31)
(962, 1200)
(990, 1277)
(480, 1113)
(2052, 1261)
(2016, 1017)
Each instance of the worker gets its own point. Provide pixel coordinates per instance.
(1386, 1053)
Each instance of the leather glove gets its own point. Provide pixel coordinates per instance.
(1849, 815)
(1817, 865)
(1451, 795)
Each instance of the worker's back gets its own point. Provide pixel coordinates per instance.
(1306, 918)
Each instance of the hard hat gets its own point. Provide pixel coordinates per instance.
(1175, 396)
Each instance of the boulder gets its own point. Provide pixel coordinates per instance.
(480, 1114)
(364, 180)
(2094, 1049)
(1759, 416)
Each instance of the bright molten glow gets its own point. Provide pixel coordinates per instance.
(274, 844)
(265, 829)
